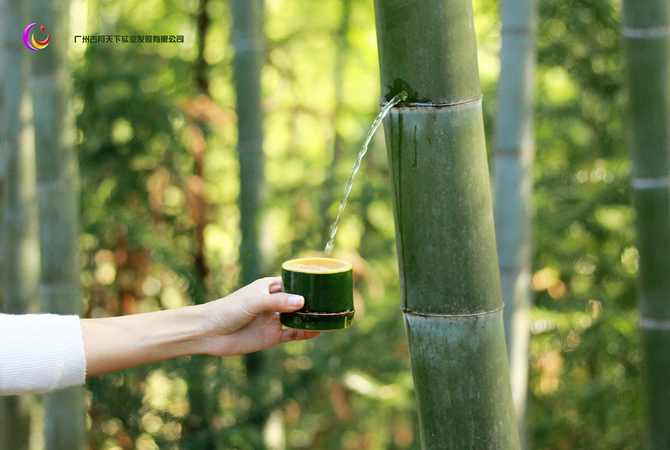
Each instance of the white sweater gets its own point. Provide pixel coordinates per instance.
(40, 353)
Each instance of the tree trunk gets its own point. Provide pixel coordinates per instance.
(197, 426)
(58, 193)
(451, 298)
(646, 34)
(513, 157)
(22, 257)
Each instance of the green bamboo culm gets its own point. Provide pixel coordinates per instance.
(58, 194)
(646, 33)
(450, 284)
(248, 40)
(22, 252)
(3, 153)
(248, 43)
(514, 149)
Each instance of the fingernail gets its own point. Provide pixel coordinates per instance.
(295, 300)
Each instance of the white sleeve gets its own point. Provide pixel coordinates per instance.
(40, 353)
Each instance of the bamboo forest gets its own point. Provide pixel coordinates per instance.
(505, 243)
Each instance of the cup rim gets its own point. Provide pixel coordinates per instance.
(345, 265)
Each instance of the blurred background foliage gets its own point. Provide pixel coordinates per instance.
(159, 168)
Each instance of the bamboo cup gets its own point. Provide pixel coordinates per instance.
(327, 286)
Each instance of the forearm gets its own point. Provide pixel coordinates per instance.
(45, 352)
(116, 343)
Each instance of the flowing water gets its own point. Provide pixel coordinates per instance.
(333, 229)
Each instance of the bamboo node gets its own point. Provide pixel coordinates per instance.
(654, 324)
(435, 105)
(651, 32)
(451, 316)
(651, 183)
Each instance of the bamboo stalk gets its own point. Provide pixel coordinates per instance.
(513, 157)
(21, 227)
(3, 156)
(646, 32)
(58, 194)
(451, 298)
(3, 151)
(248, 42)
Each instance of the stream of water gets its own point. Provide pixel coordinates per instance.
(347, 189)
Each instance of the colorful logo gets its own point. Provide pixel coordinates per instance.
(31, 43)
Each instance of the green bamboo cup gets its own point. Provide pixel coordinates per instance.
(328, 288)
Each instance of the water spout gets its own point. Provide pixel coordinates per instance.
(333, 229)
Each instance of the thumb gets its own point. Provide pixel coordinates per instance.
(280, 302)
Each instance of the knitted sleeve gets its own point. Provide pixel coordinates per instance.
(40, 353)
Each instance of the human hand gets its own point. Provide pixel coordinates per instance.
(247, 321)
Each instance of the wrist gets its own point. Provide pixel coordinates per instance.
(192, 337)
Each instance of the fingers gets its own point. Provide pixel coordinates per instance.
(268, 284)
(276, 285)
(308, 334)
(280, 302)
(289, 334)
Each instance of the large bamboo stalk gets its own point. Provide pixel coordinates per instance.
(22, 257)
(449, 277)
(513, 157)
(58, 193)
(646, 33)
